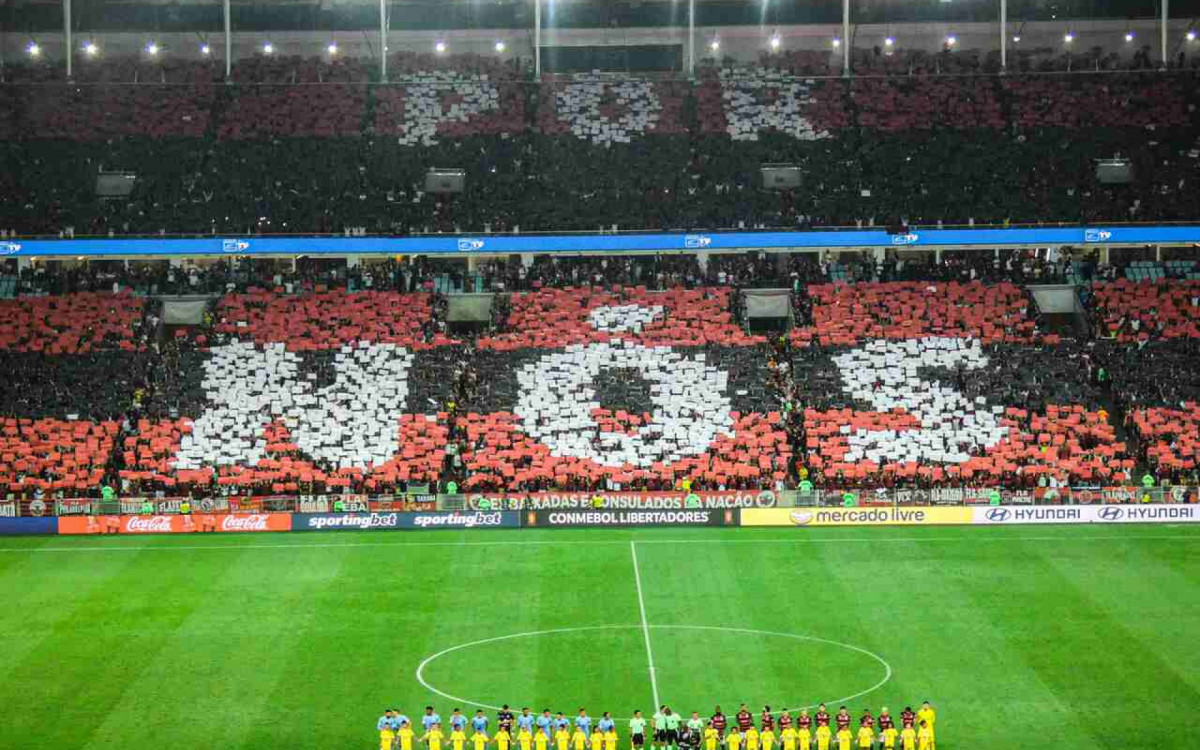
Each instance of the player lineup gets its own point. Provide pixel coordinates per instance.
(665, 730)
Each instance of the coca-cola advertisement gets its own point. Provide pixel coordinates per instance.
(176, 524)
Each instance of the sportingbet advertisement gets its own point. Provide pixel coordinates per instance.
(404, 521)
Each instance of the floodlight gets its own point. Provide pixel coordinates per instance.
(775, 42)
(499, 45)
(440, 47)
(268, 48)
(33, 49)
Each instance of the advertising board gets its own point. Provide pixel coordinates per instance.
(877, 516)
(624, 518)
(624, 500)
(399, 521)
(159, 524)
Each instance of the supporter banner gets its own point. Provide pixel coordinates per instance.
(204, 522)
(404, 521)
(895, 516)
(8, 510)
(584, 518)
(599, 243)
(1144, 513)
(624, 500)
(21, 526)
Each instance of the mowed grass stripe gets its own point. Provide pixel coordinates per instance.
(74, 681)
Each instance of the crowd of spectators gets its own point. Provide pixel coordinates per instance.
(301, 145)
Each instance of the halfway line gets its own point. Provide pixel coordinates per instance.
(637, 578)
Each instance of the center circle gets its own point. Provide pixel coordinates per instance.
(667, 657)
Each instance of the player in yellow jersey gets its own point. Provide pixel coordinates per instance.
(578, 740)
(752, 738)
(610, 740)
(824, 737)
(405, 735)
(767, 739)
(387, 738)
(524, 739)
(908, 739)
(735, 740)
(458, 739)
(928, 717)
(866, 737)
(803, 739)
(889, 737)
(434, 737)
(924, 737)
(502, 739)
(596, 741)
(540, 741)
(711, 737)
(845, 740)
(562, 738)
(787, 739)
(480, 740)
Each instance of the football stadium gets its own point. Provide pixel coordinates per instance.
(600, 374)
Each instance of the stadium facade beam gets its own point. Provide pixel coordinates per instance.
(1003, 35)
(845, 37)
(228, 42)
(383, 50)
(537, 38)
(70, 45)
(1165, 20)
(691, 38)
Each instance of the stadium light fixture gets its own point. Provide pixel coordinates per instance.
(951, 40)
(500, 46)
(1068, 37)
(91, 49)
(775, 41)
(1016, 39)
(836, 42)
(332, 48)
(268, 48)
(890, 41)
(205, 50)
(1128, 36)
(440, 47)
(714, 45)
(34, 50)
(152, 49)
(1191, 35)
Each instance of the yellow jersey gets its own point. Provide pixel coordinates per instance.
(386, 738)
(524, 739)
(752, 739)
(767, 740)
(734, 740)
(710, 739)
(889, 737)
(927, 715)
(824, 735)
(845, 739)
(787, 738)
(406, 738)
(541, 741)
(925, 739)
(610, 740)
(502, 739)
(562, 740)
(435, 738)
(865, 736)
(803, 739)
(457, 739)
(480, 739)
(579, 740)
(908, 739)
(596, 741)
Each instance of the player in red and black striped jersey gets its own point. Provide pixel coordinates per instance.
(822, 716)
(744, 718)
(767, 720)
(866, 720)
(843, 719)
(885, 720)
(719, 722)
(785, 720)
(908, 717)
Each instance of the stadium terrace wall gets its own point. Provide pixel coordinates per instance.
(504, 244)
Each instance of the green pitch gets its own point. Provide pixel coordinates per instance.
(1056, 637)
